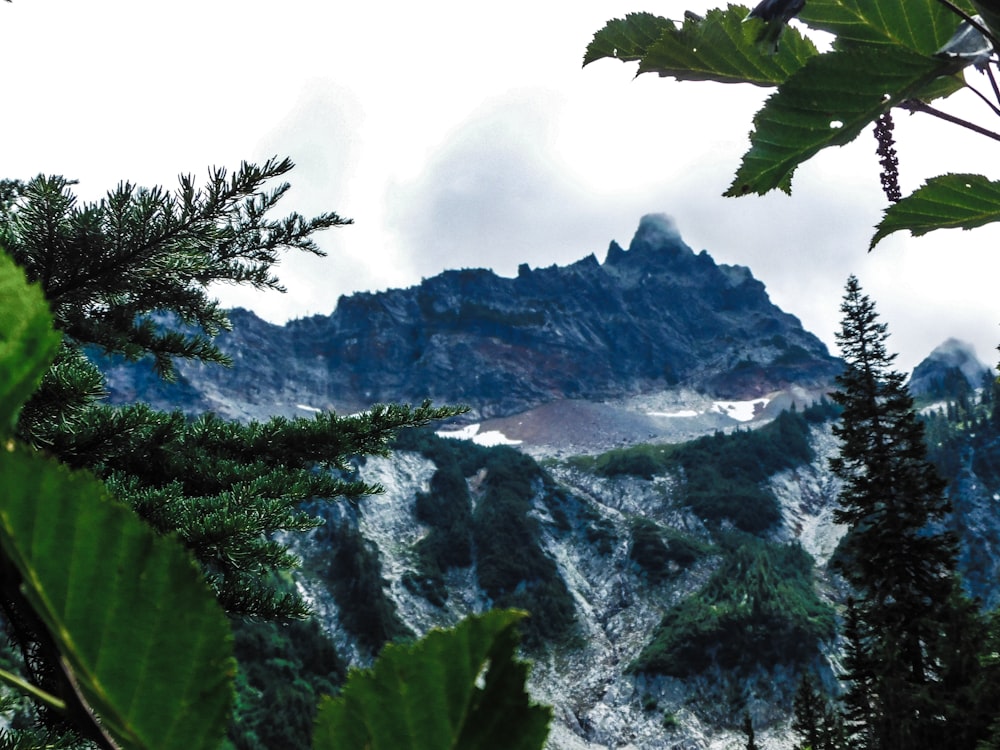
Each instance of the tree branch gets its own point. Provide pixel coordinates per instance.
(981, 95)
(915, 105)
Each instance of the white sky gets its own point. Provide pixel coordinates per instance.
(461, 134)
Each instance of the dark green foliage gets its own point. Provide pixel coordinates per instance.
(354, 574)
(511, 566)
(283, 671)
(759, 608)
(446, 508)
(660, 553)
(986, 460)
(638, 462)
(423, 440)
(822, 411)
(724, 473)
(224, 487)
(646, 459)
(969, 689)
(649, 551)
(809, 709)
(560, 505)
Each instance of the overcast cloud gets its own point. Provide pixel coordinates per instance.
(464, 135)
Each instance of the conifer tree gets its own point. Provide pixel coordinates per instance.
(808, 709)
(130, 276)
(900, 565)
(748, 731)
(858, 702)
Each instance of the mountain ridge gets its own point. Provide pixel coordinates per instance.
(654, 317)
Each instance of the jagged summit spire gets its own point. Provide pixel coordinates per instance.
(657, 233)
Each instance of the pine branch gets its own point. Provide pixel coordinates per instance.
(106, 266)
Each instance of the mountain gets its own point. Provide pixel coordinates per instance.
(651, 318)
(951, 371)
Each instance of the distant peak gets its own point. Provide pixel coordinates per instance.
(951, 356)
(953, 348)
(656, 231)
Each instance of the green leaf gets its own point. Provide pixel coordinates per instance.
(723, 47)
(626, 39)
(945, 202)
(462, 688)
(921, 26)
(139, 632)
(27, 342)
(828, 103)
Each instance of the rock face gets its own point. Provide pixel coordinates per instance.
(951, 369)
(651, 317)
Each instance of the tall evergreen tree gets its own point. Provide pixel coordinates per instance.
(748, 731)
(901, 566)
(808, 708)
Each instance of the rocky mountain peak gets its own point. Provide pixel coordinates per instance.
(656, 316)
(953, 364)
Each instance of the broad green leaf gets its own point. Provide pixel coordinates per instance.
(723, 47)
(828, 103)
(720, 47)
(461, 688)
(945, 202)
(626, 38)
(137, 627)
(940, 88)
(918, 25)
(27, 342)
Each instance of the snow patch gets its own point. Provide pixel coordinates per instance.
(471, 432)
(741, 411)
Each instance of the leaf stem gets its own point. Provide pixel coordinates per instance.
(915, 105)
(981, 95)
(33, 691)
(993, 83)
